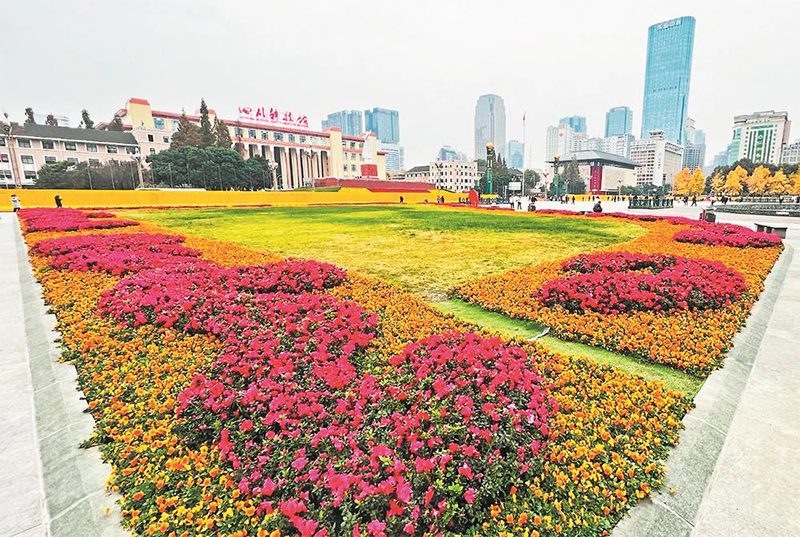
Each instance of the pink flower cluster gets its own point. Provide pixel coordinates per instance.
(116, 254)
(100, 214)
(49, 219)
(328, 437)
(619, 282)
(728, 235)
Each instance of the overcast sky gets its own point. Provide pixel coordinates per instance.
(429, 59)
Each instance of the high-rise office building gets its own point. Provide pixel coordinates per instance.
(666, 79)
(515, 154)
(760, 137)
(559, 141)
(395, 156)
(658, 159)
(384, 123)
(619, 120)
(576, 123)
(350, 121)
(490, 124)
(791, 153)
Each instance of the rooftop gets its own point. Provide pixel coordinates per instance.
(586, 156)
(49, 132)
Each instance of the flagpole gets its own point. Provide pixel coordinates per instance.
(524, 149)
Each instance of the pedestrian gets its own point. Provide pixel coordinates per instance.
(58, 201)
(15, 202)
(573, 200)
(597, 207)
(694, 201)
(401, 199)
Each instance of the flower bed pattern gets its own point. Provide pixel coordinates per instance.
(180, 475)
(692, 340)
(41, 219)
(728, 235)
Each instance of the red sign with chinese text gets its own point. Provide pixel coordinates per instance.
(596, 179)
(272, 116)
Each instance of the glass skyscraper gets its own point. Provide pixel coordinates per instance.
(666, 79)
(576, 123)
(384, 123)
(490, 125)
(619, 121)
(515, 157)
(347, 120)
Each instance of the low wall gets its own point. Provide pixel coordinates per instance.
(142, 198)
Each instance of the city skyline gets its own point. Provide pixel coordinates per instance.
(437, 106)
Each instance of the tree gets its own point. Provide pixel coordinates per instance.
(187, 135)
(717, 183)
(116, 124)
(681, 182)
(757, 182)
(51, 120)
(734, 182)
(212, 168)
(29, 116)
(779, 183)
(531, 178)
(221, 134)
(794, 188)
(697, 183)
(67, 175)
(207, 138)
(572, 178)
(87, 121)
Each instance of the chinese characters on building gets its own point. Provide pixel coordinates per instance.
(272, 116)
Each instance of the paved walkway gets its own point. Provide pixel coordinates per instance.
(48, 485)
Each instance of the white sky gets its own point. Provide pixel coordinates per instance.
(428, 59)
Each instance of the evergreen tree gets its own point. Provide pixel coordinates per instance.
(187, 135)
(29, 116)
(87, 121)
(572, 177)
(221, 134)
(207, 137)
(116, 124)
(51, 120)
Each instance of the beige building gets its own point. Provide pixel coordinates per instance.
(658, 160)
(760, 136)
(25, 148)
(300, 155)
(604, 173)
(453, 175)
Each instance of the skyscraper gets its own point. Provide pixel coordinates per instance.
(576, 123)
(384, 123)
(490, 124)
(515, 157)
(666, 79)
(760, 136)
(619, 120)
(559, 141)
(349, 121)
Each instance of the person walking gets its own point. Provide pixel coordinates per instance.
(58, 201)
(694, 201)
(15, 203)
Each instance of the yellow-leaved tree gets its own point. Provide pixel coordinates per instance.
(717, 183)
(794, 189)
(779, 183)
(757, 183)
(697, 183)
(734, 181)
(680, 184)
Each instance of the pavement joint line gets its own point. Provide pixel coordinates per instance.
(672, 511)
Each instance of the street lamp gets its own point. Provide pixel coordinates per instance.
(272, 167)
(556, 177)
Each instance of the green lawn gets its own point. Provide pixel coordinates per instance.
(425, 249)
(687, 384)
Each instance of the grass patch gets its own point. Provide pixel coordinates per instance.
(425, 249)
(687, 384)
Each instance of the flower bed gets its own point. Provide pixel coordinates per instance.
(619, 282)
(222, 358)
(41, 219)
(728, 235)
(692, 321)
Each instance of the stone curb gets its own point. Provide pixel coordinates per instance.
(692, 463)
(73, 478)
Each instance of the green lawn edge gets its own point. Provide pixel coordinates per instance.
(688, 385)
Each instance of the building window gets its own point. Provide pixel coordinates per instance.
(238, 132)
(313, 140)
(94, 162)
(47, 144)
(175, 124)
(23, 143)
(264, 135)
(251, 133)
(30, 175)
(91, 148)
(130, 150)
(302, 139)
(151, 138)
(4, 157)
(152, 150)
(72, 160)
(70, 146)
(352, 145)
(111, 149)
(158, 122)
(2, 142)
(353, 167)
(165, 139)
(291, 137)
(26, 159)
(6, 174)
(279, 136)
(50, 160)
